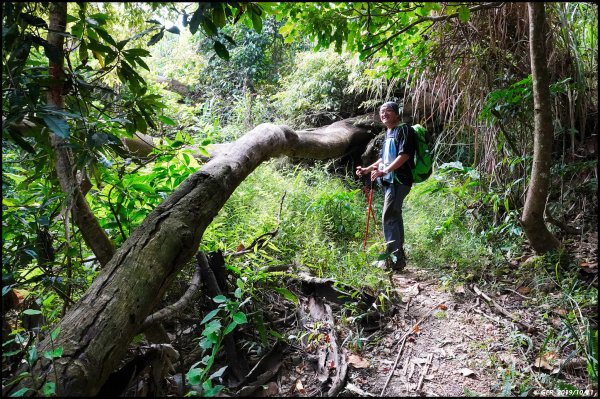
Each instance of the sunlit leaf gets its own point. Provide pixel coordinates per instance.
(287, 294)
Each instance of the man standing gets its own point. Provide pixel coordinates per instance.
(394, 167)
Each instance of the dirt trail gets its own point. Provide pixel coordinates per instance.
(445, 356)
(458, 348)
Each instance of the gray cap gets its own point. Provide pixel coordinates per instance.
(393, 106)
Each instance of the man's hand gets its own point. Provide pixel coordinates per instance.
(361, 171)
(375, 174)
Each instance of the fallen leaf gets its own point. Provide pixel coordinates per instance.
(442, 306)
(545, 361)
(465, 372)
(271, 389)
(588, 264)
(416, 330)
(300, 387)
(524, 290)
(561, 311)
(240, 248)
(358, 362)
(508, 358)
(556, 321)
(19, 296)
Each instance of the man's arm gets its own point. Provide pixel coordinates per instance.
(374, 166)
(396, 163)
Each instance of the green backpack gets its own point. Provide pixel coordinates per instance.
(423, 163)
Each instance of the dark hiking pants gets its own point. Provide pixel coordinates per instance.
(393, 225)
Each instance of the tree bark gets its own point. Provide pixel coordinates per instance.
(541, 239)
(96, 331)
(94, 236)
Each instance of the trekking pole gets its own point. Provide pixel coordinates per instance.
(369, 213)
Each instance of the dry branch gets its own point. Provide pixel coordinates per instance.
(499, 309)
(403, 339)
(172, 310)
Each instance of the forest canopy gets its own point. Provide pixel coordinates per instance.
(153, 149)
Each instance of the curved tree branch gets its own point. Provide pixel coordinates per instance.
(171, 310)
(96, 331)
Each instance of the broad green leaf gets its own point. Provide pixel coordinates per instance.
(54, 354)
(196, 18)
(211, 328)
(146, 188)
(104, 35)
(230, 327)
(464, 14)
(287, 294)
(31, 312)
(156, 38)
(221, 50)
(219, 15)
(209, 27)
(203, 151)
(138, 52)
(220, 299)
(193, 376)
(58, 125)
(257, 22)
(210, 315)
(32, 355)
(186, 159)
(55, 333)
(19, 393)
(205, 343)
(167, 121)
(240, 318)
(49, 388)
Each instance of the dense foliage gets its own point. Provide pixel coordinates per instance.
(462, 70)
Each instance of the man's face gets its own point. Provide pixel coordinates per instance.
(388, 117)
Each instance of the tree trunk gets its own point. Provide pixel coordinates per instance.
(539, 236)
(94, 236)
(96, 331)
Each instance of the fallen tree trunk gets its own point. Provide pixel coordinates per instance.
(96, 331)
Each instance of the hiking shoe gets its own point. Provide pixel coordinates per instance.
(399, 265)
